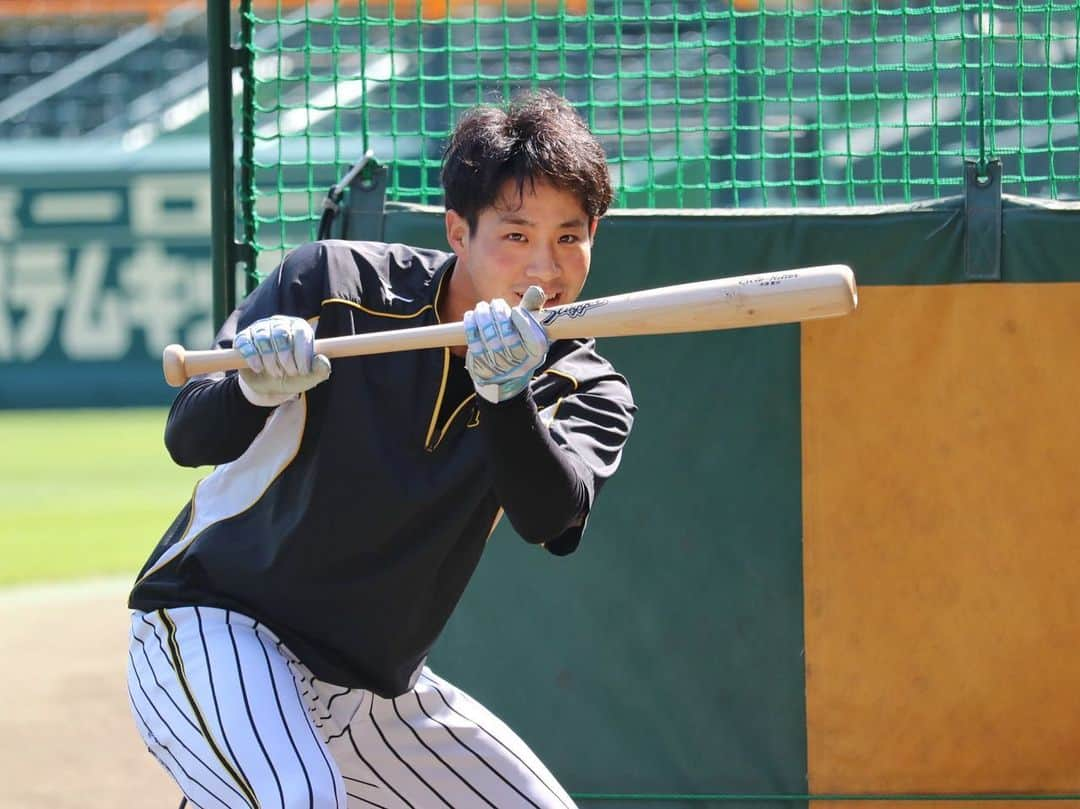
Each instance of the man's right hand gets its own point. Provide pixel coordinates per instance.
(281, 359)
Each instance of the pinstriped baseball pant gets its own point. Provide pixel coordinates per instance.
(239, 722)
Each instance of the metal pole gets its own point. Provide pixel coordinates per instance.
(220, 63)
(245, 60)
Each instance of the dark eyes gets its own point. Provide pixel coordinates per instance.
(566, 238)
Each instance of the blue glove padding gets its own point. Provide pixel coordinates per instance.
(505, 345)
(281, 359)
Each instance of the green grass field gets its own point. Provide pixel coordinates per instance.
(84, 492)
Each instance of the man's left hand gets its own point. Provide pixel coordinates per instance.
(505, 345)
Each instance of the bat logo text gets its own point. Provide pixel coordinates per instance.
(571, 311)
(771, 281)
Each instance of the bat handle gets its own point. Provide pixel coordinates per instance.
(172, 361)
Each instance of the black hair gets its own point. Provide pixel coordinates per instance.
(537, 137)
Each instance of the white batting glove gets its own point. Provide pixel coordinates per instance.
(505, 345)
(281, 359)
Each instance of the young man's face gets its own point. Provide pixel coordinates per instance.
(543, 237)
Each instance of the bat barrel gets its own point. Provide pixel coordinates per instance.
(806, 294)
(725, 303)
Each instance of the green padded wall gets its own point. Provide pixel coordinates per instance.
(666, 654)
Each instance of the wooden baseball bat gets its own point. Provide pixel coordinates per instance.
(725, 303)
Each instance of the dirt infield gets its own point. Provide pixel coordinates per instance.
(69, 742)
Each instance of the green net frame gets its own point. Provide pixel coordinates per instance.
(699, 104)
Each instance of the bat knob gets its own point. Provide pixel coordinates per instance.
(172, 362)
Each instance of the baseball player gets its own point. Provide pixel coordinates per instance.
(280, 628)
